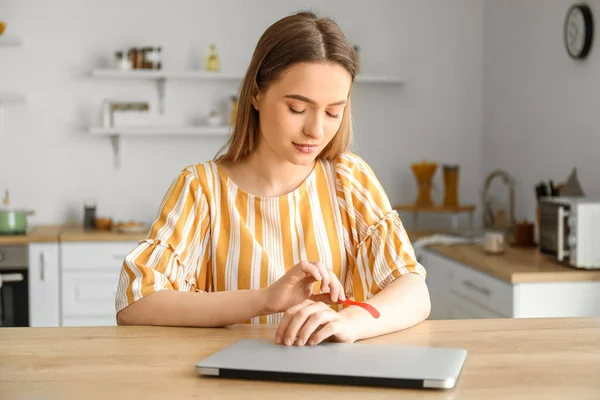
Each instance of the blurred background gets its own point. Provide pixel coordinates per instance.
(470, 112)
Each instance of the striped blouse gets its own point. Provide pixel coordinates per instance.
(210, 235)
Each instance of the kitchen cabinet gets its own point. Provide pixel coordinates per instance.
(44, 290)
(436, 280)
(458, 291)
(89, 278)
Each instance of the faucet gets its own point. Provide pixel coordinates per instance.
(510, 182)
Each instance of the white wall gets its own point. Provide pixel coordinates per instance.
(51, 165)
(541, 113)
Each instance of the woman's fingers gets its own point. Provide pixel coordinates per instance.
(329, 329)
(288, 316)
(318, 318)
(323, 297)
(325, 274)
(311, 270)
(294, 319)
(337, 290)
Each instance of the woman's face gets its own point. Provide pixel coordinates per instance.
(301, 112)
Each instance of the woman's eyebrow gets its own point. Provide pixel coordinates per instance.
(309, 101)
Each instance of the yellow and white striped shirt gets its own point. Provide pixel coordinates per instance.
(210, 235)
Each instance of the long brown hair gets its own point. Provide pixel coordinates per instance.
(301, 37)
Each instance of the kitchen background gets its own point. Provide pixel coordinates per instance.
(484, 84)
(51, 164)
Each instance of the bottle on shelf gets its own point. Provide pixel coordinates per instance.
(135, 56)
(212, 59)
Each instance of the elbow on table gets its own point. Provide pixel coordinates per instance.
(426, 307)
(129, 316)
(424, 301)
(123, 318)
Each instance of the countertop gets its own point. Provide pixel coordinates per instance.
(78, 234)
(507, 359)
(39, 234)
(516, 265)
(69, 233)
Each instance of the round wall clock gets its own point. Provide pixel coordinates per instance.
(578, 31)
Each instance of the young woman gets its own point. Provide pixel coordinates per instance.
(285, 223)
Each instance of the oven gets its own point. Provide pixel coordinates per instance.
(14, 286)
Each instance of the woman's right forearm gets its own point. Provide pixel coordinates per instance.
(199, 309)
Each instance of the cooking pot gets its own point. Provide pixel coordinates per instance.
(14, 222)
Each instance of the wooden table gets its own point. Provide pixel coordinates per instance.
(507, 359)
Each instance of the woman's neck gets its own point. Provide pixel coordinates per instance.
(264, 174)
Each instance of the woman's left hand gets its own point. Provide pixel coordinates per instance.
(310, 323)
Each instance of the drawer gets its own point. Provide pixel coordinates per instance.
(482, 289)
(461, 308)
(89, 293)
(478, 287)
(95, 255)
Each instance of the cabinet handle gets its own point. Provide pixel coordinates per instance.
(42, 266)
(482, 290)
(12, 278)
(560, 245)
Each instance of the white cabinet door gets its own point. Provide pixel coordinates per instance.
(89, 293)
(43, 285)
(90, 275)
(466, 309)
(98, 256)
(437, 284)
(458, 291)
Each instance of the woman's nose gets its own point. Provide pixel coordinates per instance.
(314, 127)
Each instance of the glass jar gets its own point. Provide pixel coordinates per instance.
(123, 60)
(89, 213)
(147, 57)
(451, 174)
(134, 55)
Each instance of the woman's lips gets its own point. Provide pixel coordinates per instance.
(306, 148)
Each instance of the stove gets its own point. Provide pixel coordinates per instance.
(14, 286)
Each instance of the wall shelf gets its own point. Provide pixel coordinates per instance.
(10, 40)
(161, 76)
(113, 73)
(115, 133)
(161, 130)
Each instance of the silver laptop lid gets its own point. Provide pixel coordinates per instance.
(436, 367)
